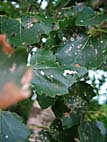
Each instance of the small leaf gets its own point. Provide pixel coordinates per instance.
(45, 101)
(71, 119)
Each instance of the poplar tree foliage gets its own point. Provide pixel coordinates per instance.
(69, 38)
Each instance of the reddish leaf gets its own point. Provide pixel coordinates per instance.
(11, 93)
(6, 46)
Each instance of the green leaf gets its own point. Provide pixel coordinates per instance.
(77, 101)
(82, 89)
(71, 119)
(71, 107)
(49, 76)
(44, 136)
(56, 130)
(61, 3)
(59, 107)
(76, 106)
(21, 109)
(88, 17)
(89, 132)
(12, 129)
(68, 18)
(98, 112)
(66, 22)
(9, 9)
(86, 51)
(71, 12)
(53, 40)
(55, 133)
(45, 101)
(26, 30)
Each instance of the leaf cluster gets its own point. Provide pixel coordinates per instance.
(64, 41)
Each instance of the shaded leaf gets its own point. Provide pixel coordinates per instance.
(82, 89)
(71, 107)
(52, 40)
(45, 101)
(55, 133)
(89, 132)
(59, 107)
(44, 136)
(71, 119)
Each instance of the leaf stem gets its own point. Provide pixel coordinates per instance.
(101, 30)
(86, 42)
(37, 126)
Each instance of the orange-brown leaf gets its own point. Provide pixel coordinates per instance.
(6, 46)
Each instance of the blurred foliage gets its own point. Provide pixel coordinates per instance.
(65, 40)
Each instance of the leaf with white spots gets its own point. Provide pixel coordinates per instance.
(49, 77)
(71, 107)
(25, 30)
(84, 50)
(88, 17)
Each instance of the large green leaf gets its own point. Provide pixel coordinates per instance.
(49, 77)
(26, 30)
(89, 132)
(86, 51)
(12, 129)
(88, 17)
